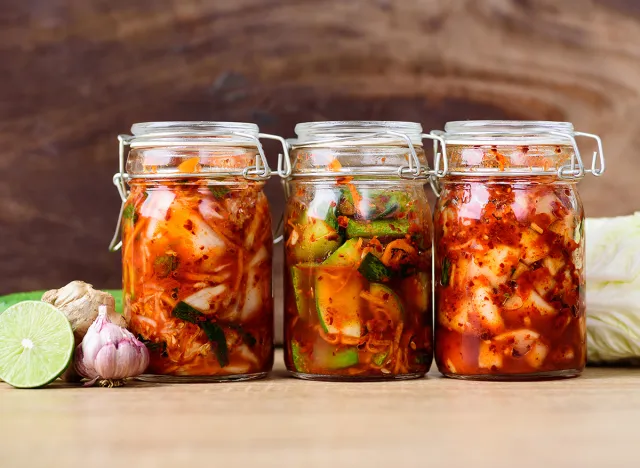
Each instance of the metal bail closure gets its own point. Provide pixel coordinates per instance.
(119, 181)
(284, 160)
(598, 156)
(414, 169)
(261, 171)
(439, 158)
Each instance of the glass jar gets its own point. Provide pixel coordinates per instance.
(197, 249)
(509, 251)
(358, 242)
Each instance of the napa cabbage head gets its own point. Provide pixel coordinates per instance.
(613, 288)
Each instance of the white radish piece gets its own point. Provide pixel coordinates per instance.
(495, 264)
(533, 247)
(207, 209)
(553, 264)
(157, 204)
(521, 340)
(201, 300)
(535, 358)
(484, 313)
(489, 356)
(542, 306)
(544, 284)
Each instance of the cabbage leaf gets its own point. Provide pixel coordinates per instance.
(613, 289)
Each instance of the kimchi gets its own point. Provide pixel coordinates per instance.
(197, 251)
(197, 278)
(510, 278)
(358, 288)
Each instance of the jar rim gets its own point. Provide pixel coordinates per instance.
(192, 128)
(508, 132)
(361, 132)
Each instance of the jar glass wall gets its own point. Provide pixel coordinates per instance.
(509, 254)
(358, 244)
(197, 251)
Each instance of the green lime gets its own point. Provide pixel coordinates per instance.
(36, 344)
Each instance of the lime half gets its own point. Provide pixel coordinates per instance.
(36, 344)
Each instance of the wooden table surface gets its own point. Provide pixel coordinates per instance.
(282, 422)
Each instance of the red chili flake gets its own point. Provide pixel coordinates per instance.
(188, 225)
(343, 221)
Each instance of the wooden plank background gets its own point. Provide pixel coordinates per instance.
(75, 73)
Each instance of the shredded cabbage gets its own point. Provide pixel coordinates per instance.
(613, 288)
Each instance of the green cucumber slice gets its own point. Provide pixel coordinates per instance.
(378, 228)
(348, 254)
(299, 361)
(373, 269)
(338, 301)
(375, 204)
(379, 358)
(317, 240)
(302, 280)
(328, 357)
(393, 304)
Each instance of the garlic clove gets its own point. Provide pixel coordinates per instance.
(126, 360)
(106, 363)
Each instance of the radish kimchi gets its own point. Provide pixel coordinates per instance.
(510, 279)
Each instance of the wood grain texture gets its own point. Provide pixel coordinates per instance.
(74, 73)
(282, 422)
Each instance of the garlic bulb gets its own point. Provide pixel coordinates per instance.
(109, 354)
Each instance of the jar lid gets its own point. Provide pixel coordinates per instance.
(198, 134)
(357, 132)
(508, 132)
(496, 133)
(147, 134)
(349, 135)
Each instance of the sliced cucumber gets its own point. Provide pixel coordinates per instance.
(373, 269)
(338, 301)
(416, 291)
(302, 283)
(379, 358)
(317, 240)
(348, 254)
(299, 361)
(375, 204)
(327, 357)
(378, 228)
(393, 304)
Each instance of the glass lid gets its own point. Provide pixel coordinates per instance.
(357, 132)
